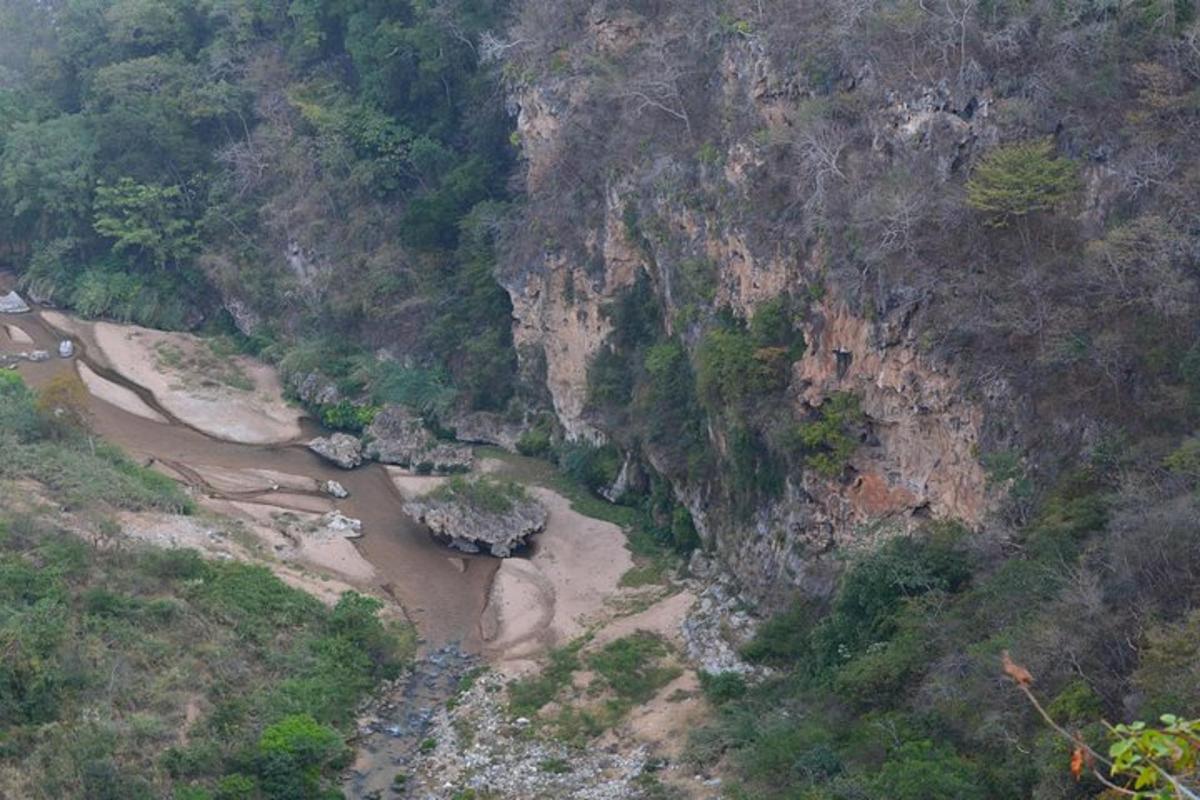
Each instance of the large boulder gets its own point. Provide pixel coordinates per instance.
(12, 303)
(340, 448)
(480, 515)
(397, 436)
(314, 389)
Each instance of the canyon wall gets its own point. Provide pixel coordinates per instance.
(698, 198)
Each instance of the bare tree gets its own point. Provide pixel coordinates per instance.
(655, 81)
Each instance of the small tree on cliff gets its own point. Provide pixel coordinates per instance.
(1017, 180)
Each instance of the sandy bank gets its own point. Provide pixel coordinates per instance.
(552, 596)
(215, 538)
(117, 395)
(18, 336)
(233, 398)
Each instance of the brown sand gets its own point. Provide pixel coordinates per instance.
(117, 395)
(565, 585)
(257, 416)
(18, 336)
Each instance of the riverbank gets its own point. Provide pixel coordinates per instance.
(227, 434)
(161, 419)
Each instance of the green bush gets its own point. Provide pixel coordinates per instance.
(596, 467)
(782, 639)
(732, 369)
(347, 416)
(924, 771)
(535, 443)
(827, 441)
(526, 696)
(721, 687)
(485, 494)
(291, 756)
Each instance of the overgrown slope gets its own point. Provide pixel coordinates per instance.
(140, 673)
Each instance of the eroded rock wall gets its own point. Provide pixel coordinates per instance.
(918, 457)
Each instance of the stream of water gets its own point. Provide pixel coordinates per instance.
(444, 601)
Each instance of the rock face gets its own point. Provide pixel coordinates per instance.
(918, 454)
(314, 390)
(340, 448)
(484, 427)
(397, 436)
(12, 303)
(473, 526)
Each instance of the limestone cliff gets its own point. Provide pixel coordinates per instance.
(688, 212)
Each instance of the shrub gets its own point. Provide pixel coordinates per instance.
(424, 390)
(721, 687)
(63, 403)
(782, 639)
(922, 770)
(1185, 459)
(731, 368)
(527, 695)
(291, 755)
(484, 494)
(827, 440)
(596, 467)
(535, 443)
(632, 667)
(347, 416)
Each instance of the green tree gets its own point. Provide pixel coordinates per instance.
(1017, 180)
(46, 174)
(146, 220)
(292, 754)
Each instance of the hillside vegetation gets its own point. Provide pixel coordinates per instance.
(335, 167)
(143, 673)
(641, 221)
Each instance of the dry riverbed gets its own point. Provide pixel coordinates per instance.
(220, 425)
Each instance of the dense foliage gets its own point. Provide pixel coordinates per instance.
(338, 169)
(895, 688)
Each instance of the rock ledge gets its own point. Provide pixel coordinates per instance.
(483, 514)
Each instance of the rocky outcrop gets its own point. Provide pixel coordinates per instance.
(335, 523)
(314, 389)
(469, 521)
(485, 427)
(397, 436)
(505, 757)
(342, 449)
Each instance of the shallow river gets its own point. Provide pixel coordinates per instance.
(443, 601)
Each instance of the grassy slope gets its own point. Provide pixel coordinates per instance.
(135, 673)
